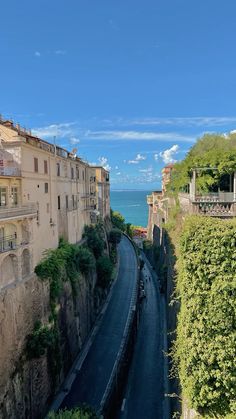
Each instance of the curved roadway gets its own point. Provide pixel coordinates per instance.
(91, 381)
(144, 396)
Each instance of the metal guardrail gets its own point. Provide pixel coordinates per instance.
(17, 211)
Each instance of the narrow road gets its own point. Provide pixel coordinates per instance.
(146, 385)
(92, 379)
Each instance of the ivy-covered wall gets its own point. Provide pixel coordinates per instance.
(206, 332)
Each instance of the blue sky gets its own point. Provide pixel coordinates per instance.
(130, 84)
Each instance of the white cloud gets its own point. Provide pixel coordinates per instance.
(37, 54)
(55, 130)
(116, 167)
(133, 162)
(60, 52)
(197, 121)
(138, 135)
(156, 157)
(118, 173)
(167, 155)
(137, 159)
(103, 161)
(148, 170)
(74, 140)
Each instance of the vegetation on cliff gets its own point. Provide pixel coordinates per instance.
(66, 264)
(206, 331)
(212, 151)
(118, 221)
(77, 413)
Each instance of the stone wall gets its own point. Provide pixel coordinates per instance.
(26, 386)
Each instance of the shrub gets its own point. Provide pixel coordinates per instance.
(77, 413)
(206, 335)
(147, 245)
(39, 340)
(115, 236)
(85, 261)
(104, 271)
(94, 240)
(129, 229)
(113, 254)
(118, 220)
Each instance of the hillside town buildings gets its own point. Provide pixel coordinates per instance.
(45, 192)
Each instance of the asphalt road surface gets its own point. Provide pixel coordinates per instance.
(146, 385)
(92, 379)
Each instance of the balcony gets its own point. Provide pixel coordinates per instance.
(18, 211)
(8, 243)
(10, 171)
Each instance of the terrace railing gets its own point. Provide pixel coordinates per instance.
(7, 212)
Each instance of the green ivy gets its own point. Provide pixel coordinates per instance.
(206, 331)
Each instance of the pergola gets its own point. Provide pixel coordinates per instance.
(222, 195)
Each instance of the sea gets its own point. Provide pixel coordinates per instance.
(132, 205)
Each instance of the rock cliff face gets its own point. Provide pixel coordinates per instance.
(26, 386)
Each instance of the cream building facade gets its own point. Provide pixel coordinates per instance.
(45, 192)
(102, 191)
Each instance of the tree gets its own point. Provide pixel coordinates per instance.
(115, 236)
(104, 271)
(94, 240)
(129, 230)
(85, 260)
(118, 220)
(212, 151)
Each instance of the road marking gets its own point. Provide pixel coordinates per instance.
(123, 405)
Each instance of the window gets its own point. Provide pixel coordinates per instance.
(73, 201)
(59, 202)
(67, 202)
(83, 174)
(58, 169)
(14, 196)
(3, 197)
(36, 165)
(46, 187)
(48, 207)
(45, 167)
(72, 173)
(77, 172)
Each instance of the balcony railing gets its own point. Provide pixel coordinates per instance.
(10, 171)
(216, 209)
(215, 197)
(8, 243)
(18, 211)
